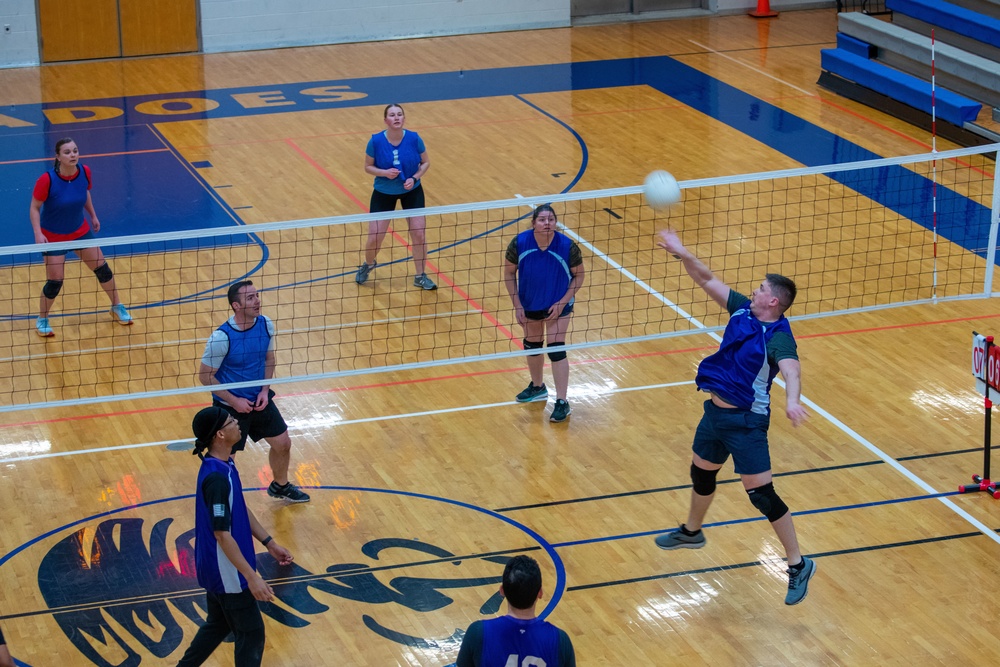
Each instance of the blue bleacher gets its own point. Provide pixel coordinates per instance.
(914, 92)
(948, 16)
(855, 46)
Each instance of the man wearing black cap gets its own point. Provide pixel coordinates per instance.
(242, 350)
(225, 559)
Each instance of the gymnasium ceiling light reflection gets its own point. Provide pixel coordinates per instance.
(593, 389)
(678, 606)
(316, 421)
(945, 404)
(26, 447)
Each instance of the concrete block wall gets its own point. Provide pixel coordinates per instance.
(19, 42)
(239, 25)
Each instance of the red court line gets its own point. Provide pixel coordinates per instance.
(460, 376)
(88, 155)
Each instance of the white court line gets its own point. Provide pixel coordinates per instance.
(330, 327)
(749, 66)
(346, 422)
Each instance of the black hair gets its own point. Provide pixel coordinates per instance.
(522, 579)
(385, 112)
(234, 291)
(59, 144)
(541, 209)
(783, 288)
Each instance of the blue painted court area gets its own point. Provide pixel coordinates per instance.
(156, 191)
(140, 186)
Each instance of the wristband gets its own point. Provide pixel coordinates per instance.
(266, 540)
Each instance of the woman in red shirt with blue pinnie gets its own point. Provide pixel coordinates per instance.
(58, 202)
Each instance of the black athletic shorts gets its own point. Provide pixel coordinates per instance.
(543, 314)
(258, 424)
(382, 202)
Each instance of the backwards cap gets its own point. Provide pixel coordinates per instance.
(205, 425)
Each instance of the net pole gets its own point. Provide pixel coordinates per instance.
(934, 180)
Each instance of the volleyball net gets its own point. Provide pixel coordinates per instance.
(854, 237)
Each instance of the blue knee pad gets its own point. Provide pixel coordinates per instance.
(558, 355)
(703, 481)
(533, 345)
(768, 502)
(103, 273)
(51, 288)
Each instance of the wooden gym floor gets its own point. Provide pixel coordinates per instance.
(423, 481)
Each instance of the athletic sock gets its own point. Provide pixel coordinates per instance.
(796, 568)
(689, 533)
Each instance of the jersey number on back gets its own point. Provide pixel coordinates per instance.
(530, 661)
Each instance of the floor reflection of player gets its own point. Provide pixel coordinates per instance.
(519, 638)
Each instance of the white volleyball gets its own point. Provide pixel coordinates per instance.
(661, 190)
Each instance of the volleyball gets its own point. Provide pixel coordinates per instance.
(661, 190)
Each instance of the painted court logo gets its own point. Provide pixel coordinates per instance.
(123, 589)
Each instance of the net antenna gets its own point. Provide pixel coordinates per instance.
(934, 179)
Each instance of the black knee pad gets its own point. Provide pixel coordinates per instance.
(559, 355)
(103, 273)
(768, 502)
(51, 288)
(703, 481)
(533, 345)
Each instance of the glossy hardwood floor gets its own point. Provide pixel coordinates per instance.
(423, 480)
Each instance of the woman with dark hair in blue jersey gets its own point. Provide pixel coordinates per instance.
(398, 160)
(58, 203)
(542, 273)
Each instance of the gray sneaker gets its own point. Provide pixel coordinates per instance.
(533, 393)
(677, 539)
(798, 582)
(289, 492)
(362, 275)
(423, 282)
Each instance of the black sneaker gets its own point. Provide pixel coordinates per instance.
(798, 582)
(362, 275)
(678, 539)
(289, 492)
(533, 393)
(561, 412)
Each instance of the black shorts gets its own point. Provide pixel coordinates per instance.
(543, 314)
(258, 424)
(63, 253)
(381, 202)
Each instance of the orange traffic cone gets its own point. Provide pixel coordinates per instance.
(763, 10)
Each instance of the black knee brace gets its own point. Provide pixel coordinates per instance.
(103, 273)
(533, 345)
(703, 481)
(557, 356)
(768, 502)
(51, 288)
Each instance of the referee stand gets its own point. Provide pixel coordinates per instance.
(986, 370)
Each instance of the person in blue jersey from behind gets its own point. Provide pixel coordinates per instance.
(519, 638)
(397, 158)
(225, 559)
(756, 345)
(242, 350)
(543, 270)
(62, 210)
